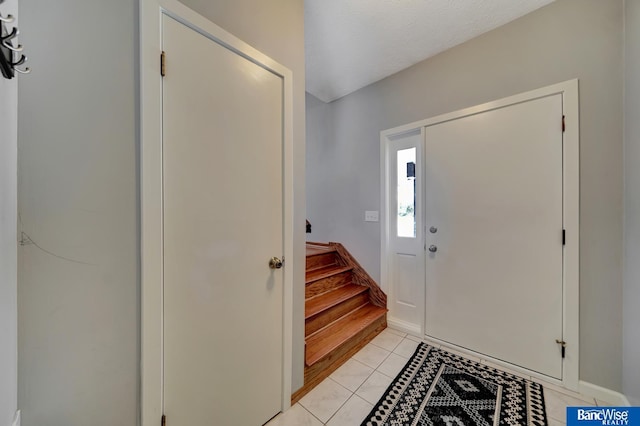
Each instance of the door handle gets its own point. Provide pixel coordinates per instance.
(275, 263)
(433, 248)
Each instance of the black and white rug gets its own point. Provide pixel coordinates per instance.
(437, 388)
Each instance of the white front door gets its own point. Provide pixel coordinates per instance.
(405, 256)
(494, 191)
(223, 221)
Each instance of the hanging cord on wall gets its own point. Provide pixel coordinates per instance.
(11, 56)
(26, 240)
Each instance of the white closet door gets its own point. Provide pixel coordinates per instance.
(223, 221)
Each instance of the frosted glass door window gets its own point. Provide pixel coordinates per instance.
(406, 214)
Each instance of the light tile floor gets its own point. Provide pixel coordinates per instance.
(348, 395)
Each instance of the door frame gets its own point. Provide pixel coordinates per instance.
(571, 209)
(151, 249)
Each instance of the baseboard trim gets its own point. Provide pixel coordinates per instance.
(16, 419)
(405, 327)
(603, 394)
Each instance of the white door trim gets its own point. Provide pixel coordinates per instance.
(151, 255)
(571, 205)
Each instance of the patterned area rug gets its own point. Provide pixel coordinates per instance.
(439, 388)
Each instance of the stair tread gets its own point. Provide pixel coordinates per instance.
(322, 302)
(325, 271)
(313, 250)
(324, 341)
(315, 269)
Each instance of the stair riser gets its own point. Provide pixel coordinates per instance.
(320, 260)
(316, 373)
(328, 316)
(322, 286)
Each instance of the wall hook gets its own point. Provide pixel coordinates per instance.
(10, 57)
(14, 32)
(18, 48)
(21, 61)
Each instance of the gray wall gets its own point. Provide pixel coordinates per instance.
(631, 346)
(564, 40)
(78, 292)
(8, 238)
(321, 165)
(276, 28)
(79, 202)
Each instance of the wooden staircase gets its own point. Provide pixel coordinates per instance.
(344, 310)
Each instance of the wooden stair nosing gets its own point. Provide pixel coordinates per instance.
(326, 284)
(320, 261)
(324, 272)
(318, 250)
(322, 302)
(319, 246)
(331, 337)
(324, 318)
(315, 269)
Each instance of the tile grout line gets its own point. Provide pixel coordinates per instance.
(375, 370)
(364, 381)
(343, 404)
(391, 351)
(309, 411)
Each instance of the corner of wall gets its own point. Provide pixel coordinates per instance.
(603, 394)
(16, 419)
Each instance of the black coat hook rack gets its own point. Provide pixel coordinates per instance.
(11, 56)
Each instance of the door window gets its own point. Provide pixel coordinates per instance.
(406, 211)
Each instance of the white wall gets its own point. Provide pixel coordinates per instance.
(78, 201)
(631, 347)
(8, 238)
(276, 28)
(564, 40)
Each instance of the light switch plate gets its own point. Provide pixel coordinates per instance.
(371, 216)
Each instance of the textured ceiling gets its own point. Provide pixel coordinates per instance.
(353, 43)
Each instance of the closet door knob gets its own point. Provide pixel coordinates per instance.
(275, 263)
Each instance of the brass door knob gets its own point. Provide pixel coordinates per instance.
(275, 263)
